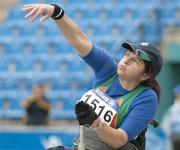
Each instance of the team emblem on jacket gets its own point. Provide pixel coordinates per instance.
(112, 103)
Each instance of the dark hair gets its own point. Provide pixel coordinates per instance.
(151, 82)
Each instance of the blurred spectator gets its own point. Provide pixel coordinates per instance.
(37, 107)
(171, 120)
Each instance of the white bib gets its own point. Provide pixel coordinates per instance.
(102, 104)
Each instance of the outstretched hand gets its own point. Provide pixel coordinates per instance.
(44, 11)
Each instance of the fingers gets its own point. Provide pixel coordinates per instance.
(29, 5)
(44, 17)
(37, 14)
(27, 8)
(36, 10)
(33, 11)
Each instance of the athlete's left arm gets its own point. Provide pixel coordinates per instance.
(111, 136)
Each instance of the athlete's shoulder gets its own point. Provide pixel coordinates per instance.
(148, 95)
(146, 100)
(149, 92)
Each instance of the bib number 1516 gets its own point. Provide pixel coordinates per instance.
(102, 109)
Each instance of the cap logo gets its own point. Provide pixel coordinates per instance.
(144, 43)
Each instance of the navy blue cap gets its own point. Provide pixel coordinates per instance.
(177, 89)
(147, 52)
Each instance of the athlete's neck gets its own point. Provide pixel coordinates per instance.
(128, 85)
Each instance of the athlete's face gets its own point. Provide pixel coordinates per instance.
(131, 68)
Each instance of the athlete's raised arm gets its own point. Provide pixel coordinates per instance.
(70, 30)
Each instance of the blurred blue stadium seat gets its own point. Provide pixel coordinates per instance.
(15, 102)
(14, 48)
(105, 43)
(23, 84)
(50, 66)
(4, 30)
(3, 66)
(25, 66)
(151, 33)
(69, 103)
(117, 12)
(28, 29)
(76, 65)
(3, 49)
(39, 49)
(51, 29)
